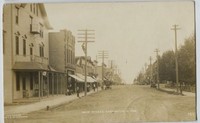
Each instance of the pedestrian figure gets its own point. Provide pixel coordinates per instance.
(78, 91)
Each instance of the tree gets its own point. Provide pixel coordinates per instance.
(186, 60)
(167, 67)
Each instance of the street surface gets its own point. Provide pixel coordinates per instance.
(125, 103)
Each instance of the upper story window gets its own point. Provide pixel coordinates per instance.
(37, 9)
(34, 8)
(17, 16)
(41, 50)
(17, 45)
(31, 7)
(31, 21)
(24, 46)
(41, 30)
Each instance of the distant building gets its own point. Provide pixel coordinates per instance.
(91, 72)
(99, 72)
(80, 66)
(26, 53)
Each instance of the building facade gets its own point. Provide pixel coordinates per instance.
(62, 54)
(26, 52)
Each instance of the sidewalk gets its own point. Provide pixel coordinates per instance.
(185, 93)
(52, 101)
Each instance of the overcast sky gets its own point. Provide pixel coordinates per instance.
(130, 31)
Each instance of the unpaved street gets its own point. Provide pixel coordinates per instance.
(119, 104)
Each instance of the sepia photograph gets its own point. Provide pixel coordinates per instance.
(99, 62)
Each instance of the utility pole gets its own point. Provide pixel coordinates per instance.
(103, 54)
(150, 70)
(158, 81)
(85, 37)
(175, 28)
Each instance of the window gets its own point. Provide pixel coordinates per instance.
(67, 55)
(17, 16)
(31, 51)
(24, 47)
(17, 81)
(31, 21)
(41, 30)
(37, 9)
(31, 81)
(41, 51)
(24, 83)
(34, 8)
(31, 7)
(17, 45)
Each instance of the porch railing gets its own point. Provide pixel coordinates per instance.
(31, 58)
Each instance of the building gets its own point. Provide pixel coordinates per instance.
(91, 71)
(80, 66)
(62, 53)
(108, 74)
(27, 72)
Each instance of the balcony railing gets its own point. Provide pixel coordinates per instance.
(31, 58)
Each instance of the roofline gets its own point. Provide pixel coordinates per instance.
(44, 16)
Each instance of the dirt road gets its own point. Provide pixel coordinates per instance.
(118, 105)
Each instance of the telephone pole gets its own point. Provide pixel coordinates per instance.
(103, 54)
(85, 37)
(158, 81)
(175, 28)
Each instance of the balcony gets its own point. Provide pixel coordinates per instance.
(31, 58)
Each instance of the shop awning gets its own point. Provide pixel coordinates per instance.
(76, 77)
(89, 79)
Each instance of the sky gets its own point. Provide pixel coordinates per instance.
(130, 31)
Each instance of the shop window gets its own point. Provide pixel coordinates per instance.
(31, 81)
(17, 81)
(24, 83)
